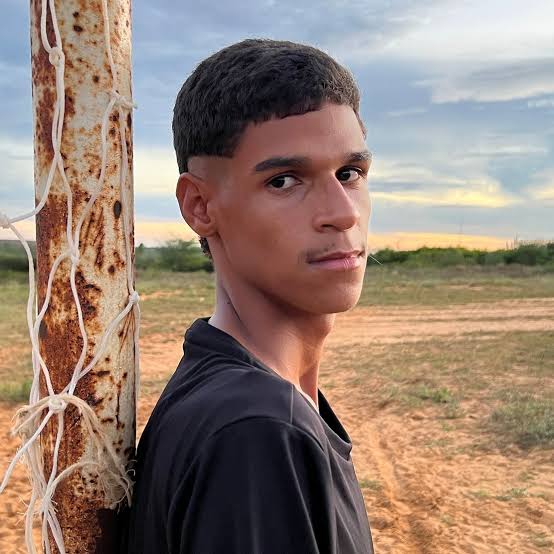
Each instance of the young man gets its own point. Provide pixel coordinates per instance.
(243, 454)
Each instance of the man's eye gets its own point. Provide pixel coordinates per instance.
(278, 182)
(353, 171)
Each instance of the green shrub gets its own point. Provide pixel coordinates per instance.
(524, 419)
(441, 257)
(15, 392)
(181, 255)
(438, 395)
(530, 254)
(388, 256)
(174, 255)
(498, 257)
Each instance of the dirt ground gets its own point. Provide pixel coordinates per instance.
(419, 499)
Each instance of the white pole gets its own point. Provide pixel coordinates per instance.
(81, 73)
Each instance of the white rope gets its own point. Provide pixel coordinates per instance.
(33, 418)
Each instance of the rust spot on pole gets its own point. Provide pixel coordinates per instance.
(99, 260)
(42, 330)
(43, 129)
(69, 105)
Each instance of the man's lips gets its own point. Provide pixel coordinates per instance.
(340, 260)
(337, 255)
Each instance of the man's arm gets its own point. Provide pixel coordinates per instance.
(259, 486)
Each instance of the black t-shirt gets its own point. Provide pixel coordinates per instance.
(235, 460)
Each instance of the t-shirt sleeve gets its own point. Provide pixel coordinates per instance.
(259, 486)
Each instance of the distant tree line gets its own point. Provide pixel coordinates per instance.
(523, 254)
(174, 255)
(13, 257)
(183, 255)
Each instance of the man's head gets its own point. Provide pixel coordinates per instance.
(261, 100)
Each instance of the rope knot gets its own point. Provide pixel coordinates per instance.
(74, 259)
(56, 404)
(121, 101)
(134, 297)
(56, 56)
(4, 220)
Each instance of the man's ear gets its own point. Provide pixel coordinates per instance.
(194, 198)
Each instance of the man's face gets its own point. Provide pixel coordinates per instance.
(274, 217)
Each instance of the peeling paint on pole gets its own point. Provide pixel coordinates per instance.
(87, 524)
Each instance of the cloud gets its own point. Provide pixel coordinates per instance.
(470, 32)
(155, 172)
(544, 193)
(13, 76)
(485, 195)
(390, 172)
(493, 145)
(406, 183)
(16, 161)
(357, 27)
(494, 83)
(492, 51)
(541, 187)
(541, 103)
(406, 111)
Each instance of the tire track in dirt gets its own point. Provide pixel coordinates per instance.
(375, 461)
(384, 461)
(396, 507)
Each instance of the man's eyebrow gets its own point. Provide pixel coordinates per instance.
(300, 161)
(363, 156)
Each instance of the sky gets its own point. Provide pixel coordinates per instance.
(457, 97)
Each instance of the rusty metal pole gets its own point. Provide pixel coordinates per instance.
(82, 508)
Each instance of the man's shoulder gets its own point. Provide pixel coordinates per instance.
(187, 416)
(231, 394)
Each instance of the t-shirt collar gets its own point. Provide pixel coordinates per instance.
(207, 335)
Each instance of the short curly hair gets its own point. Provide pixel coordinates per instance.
(253, 81)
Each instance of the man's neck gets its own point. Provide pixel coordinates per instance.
(287, 341)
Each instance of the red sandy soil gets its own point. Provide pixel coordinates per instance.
(419, 500)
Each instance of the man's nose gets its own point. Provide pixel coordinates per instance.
(337, 205)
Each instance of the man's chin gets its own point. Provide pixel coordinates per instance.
(336, 305)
